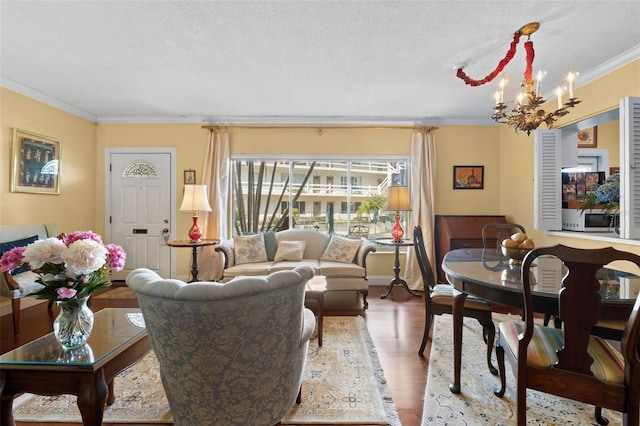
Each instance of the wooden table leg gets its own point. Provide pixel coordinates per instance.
(194, 264)
(396, 279)
(320, 305)
(111, 396)
(458, 310)
(92, 398)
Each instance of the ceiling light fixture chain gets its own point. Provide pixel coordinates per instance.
(526, 115)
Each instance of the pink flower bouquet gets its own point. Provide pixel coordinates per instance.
(70, 266)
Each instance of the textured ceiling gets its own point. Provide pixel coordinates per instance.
(298, 61)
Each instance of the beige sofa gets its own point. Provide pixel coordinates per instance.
(18, 283)
(341, 260)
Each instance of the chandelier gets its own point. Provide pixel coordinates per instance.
(526, 114)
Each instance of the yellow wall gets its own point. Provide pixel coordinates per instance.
(516, 153)
(75, 207)
(479, 145)
(506, 156)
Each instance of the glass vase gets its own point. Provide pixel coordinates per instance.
(74, 323)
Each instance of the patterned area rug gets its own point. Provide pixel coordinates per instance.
(343, 384)
(477, 405)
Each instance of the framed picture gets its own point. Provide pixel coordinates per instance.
(468, 177)
(189, 177)
(588, 138)
(35, 163)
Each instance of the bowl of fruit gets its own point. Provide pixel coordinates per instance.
(517, 247)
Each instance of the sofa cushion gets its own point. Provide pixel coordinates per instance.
(286, 265)
(341, 249)
(290, 250)
(249, 249)
(316, 241)
(340, 269)
(251, 269)
(270, 244)
(8, 245)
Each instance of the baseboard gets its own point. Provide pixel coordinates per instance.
(26, 302)
(379, 280)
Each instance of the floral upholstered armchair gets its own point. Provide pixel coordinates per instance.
(229, 354)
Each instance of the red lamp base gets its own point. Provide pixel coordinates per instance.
(194, 231)
(397, 231)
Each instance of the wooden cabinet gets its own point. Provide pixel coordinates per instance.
(454, 232)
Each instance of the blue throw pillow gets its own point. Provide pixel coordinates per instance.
(17, 243)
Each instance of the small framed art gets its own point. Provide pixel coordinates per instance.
(190, 177)
(468, 177)
(35, 163)
(588, 138)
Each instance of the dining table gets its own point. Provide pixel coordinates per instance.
(488, 274)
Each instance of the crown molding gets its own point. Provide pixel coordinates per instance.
(586, 77)
(46, 99)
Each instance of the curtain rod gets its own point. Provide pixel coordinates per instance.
(218, 128)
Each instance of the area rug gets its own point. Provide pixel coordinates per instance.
(477, 405)
(343, 384)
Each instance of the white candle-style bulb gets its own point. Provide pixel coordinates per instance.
(538, 79)
(520, 98)
(559, 95)
(503, 83)
(570, 78)
(497, 97)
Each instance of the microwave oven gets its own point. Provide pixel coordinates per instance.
(588, 221)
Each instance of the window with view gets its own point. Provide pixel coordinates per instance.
(345, 197)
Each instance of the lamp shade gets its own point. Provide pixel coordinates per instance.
(398, 198)
(195, 199)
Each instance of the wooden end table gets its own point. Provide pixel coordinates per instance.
(396, 266)
(194, 253)
(118, 340)
(315, 290)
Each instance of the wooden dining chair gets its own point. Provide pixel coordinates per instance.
(501, 230)
(438, 300)
(572, 362)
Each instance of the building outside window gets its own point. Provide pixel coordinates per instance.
(279, 194)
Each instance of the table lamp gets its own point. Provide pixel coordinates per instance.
(398, 200)
(195, 200)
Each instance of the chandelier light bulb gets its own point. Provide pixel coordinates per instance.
(570, 78)
(559, 95)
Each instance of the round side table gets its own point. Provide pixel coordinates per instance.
(194, 254)
(396, 267)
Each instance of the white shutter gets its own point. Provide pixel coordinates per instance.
(630, 168)
(547, 177)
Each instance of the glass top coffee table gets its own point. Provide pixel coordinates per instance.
(118, 340)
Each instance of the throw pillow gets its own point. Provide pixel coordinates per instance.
(270, 244)
(341, 249)
(249, 249)
(290, 250)
(17, 243)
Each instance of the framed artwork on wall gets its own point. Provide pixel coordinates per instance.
(588, 138)
(190, 177)
(35, 163)
(468, 177)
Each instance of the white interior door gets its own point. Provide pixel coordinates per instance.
(139, 207)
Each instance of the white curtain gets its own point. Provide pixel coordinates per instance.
(216, 174)
(423, 171)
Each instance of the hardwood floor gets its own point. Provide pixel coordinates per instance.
(395, 324)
